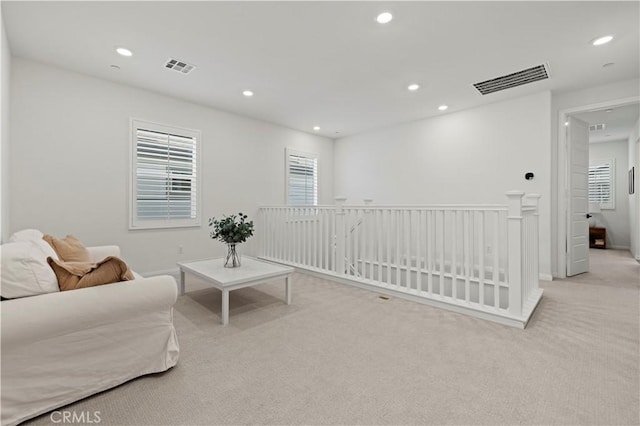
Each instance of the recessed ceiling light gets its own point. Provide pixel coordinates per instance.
(413, 87)
(115, 67)
(602, 40)
(248, 93)
(608, 64)
(442, 107)
(316, 128)
(566, 123)
(123, 51)
(384, 18)
(608, 110)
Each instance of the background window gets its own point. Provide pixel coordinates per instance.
(302, 178)
(602, 183)
(165, 178)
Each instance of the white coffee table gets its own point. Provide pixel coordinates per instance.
(252, 272)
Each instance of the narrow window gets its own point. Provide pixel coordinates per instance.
(165, 176)
(602, 183)
(302, 178)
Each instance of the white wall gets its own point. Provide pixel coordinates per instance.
(573, 101)
(70, 163)
(634, 199)
(471, 156)
(5, 146)
(616, 221)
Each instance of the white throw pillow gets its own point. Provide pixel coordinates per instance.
(26, 235)
(34, 235)
(24, 270)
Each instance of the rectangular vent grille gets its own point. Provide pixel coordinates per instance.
(541, 72)
(180, 66)
(596, 127)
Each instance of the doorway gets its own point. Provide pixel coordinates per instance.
(619, 118)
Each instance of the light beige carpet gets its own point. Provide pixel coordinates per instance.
(341, 355)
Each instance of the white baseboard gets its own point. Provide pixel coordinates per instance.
(545, 277)
(620, 247)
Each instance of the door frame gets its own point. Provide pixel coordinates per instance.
(563, 174)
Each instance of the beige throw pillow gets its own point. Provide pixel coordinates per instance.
(74, 275)
(69, 249)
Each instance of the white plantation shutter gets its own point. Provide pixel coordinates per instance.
(601, 183)
(165, 189)
(302, 178)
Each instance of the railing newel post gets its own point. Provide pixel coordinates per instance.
(535, 234)
(514, 250)
(533, 200)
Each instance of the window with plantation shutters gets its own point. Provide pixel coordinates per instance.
(601, 183)
(165, 176)
(302, 178)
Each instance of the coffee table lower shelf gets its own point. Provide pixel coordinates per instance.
(252, 272)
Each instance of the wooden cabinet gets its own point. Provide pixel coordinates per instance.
(598, 238)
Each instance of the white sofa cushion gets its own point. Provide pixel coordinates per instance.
(24, 270)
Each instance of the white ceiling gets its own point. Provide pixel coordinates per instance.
(329, 63)
(618, 121)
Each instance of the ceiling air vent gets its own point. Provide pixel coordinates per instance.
(541, 72)
(180, 66)
(596, 127)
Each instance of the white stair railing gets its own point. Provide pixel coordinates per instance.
(479, 259)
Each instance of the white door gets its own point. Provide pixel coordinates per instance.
(578, 202)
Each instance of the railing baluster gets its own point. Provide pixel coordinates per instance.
(308, 235)
(387, 227)
(466, 229)
(355, 258)
(276, 235)
(370, 230)
(496, 259)
(481, 259)
(299, 236)
(284, 246)
(326, 240)
(355, 237)
(454, 254)
(406, 222)
(430, 255)
(397, 232)
(442, 249)
(272, 218)
(314, 244)
(304, 225)
(418, 252)
(379, 230)
(348, 220)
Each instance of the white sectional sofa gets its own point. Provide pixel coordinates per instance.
(59, 347)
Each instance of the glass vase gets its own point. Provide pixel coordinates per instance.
(233, 257)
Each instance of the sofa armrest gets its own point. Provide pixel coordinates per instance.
(45, 316)
(60, 347)
(98, 253)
